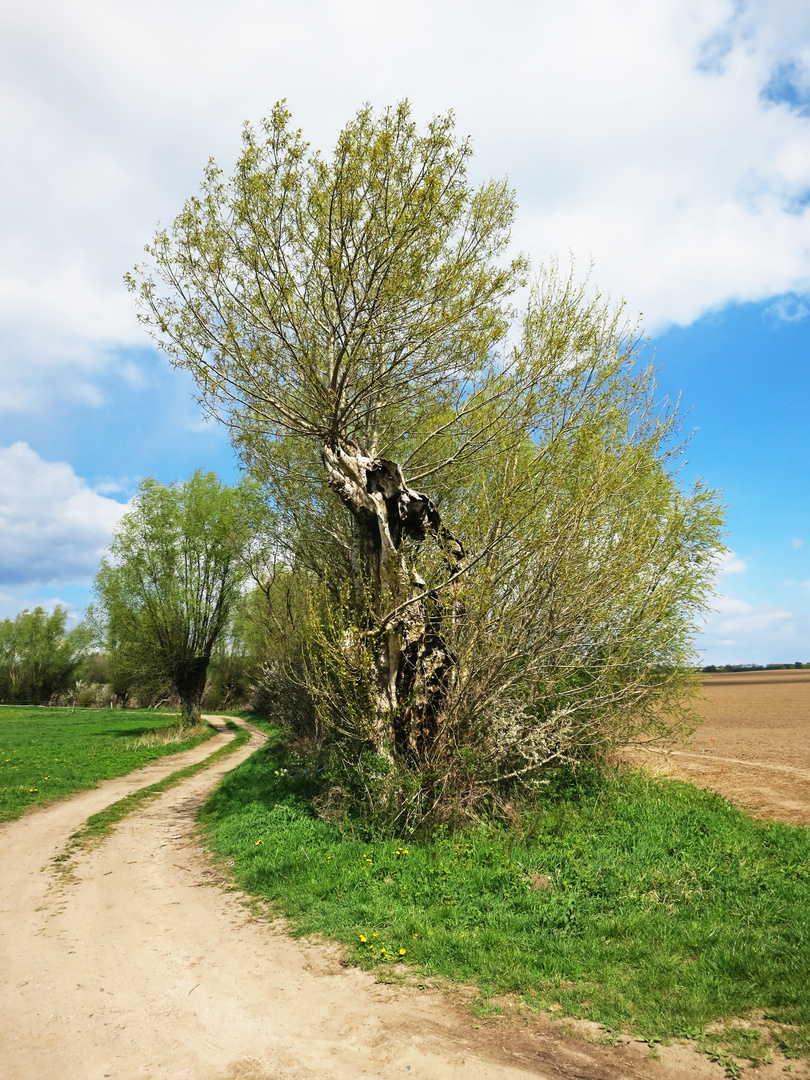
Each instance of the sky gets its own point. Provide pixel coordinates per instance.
(665, 146)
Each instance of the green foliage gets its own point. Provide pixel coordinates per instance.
(166, 596)
(326, 291)
(38, 657)
(273, 625)
(46, 754)
(349, 318)
(647, 905)
(228, 678)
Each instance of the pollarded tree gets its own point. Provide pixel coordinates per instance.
(348, 319)
(335, 302)
(176, 573)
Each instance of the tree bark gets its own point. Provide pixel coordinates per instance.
(190, 683)
(414, 665)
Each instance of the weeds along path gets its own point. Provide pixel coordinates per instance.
(138, 964)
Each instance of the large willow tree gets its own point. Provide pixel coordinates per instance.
(499, 513)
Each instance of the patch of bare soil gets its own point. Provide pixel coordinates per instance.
(753, 745)
(142, 964)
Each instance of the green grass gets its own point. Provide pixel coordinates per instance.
(666, 909)
(46, 754)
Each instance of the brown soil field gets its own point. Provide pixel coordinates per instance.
(753, 745)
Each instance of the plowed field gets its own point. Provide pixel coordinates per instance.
(753, 745)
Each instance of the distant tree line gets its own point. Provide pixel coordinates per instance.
(39, 658)
(256, 662)
(44, 663)
(712, 668)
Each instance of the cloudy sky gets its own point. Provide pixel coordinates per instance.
(666, 142)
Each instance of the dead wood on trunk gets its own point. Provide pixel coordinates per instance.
(414, 664)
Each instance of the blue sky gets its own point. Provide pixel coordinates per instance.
(666, 145)
(745, 373)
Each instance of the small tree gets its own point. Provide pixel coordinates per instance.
(176, 571)
(274, 626)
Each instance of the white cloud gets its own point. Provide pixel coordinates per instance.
(725, 606)
(737, 617)
(668, 141)
(739, 632)
(797, 543)
(53, 526)
(13, 600)
(788, 309)
(730, 563)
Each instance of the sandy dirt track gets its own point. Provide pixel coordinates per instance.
(753, 745)
(143, 966)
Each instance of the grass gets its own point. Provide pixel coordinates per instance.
(47, 754)
(644, 904)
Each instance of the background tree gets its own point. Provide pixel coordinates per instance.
(505, 556)
(166, 596)
(274, 627)
(38, 656)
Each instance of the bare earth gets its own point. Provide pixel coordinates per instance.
(753, 746)
(143, 966)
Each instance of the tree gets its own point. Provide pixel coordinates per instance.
(496, 522)
(273, 626)
(176, 573)
(38, 657)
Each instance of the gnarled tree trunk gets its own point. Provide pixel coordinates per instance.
(414, 664)
(190, 682)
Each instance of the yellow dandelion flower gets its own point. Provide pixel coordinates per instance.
(401, 952)
(363, 938)
(375, 934)
(259, 842)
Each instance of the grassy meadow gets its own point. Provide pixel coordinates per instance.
(47, 754)
(644, 904)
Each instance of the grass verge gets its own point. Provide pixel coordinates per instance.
(48, 754)
(647, 905)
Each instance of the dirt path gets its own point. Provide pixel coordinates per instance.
(143, 967)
